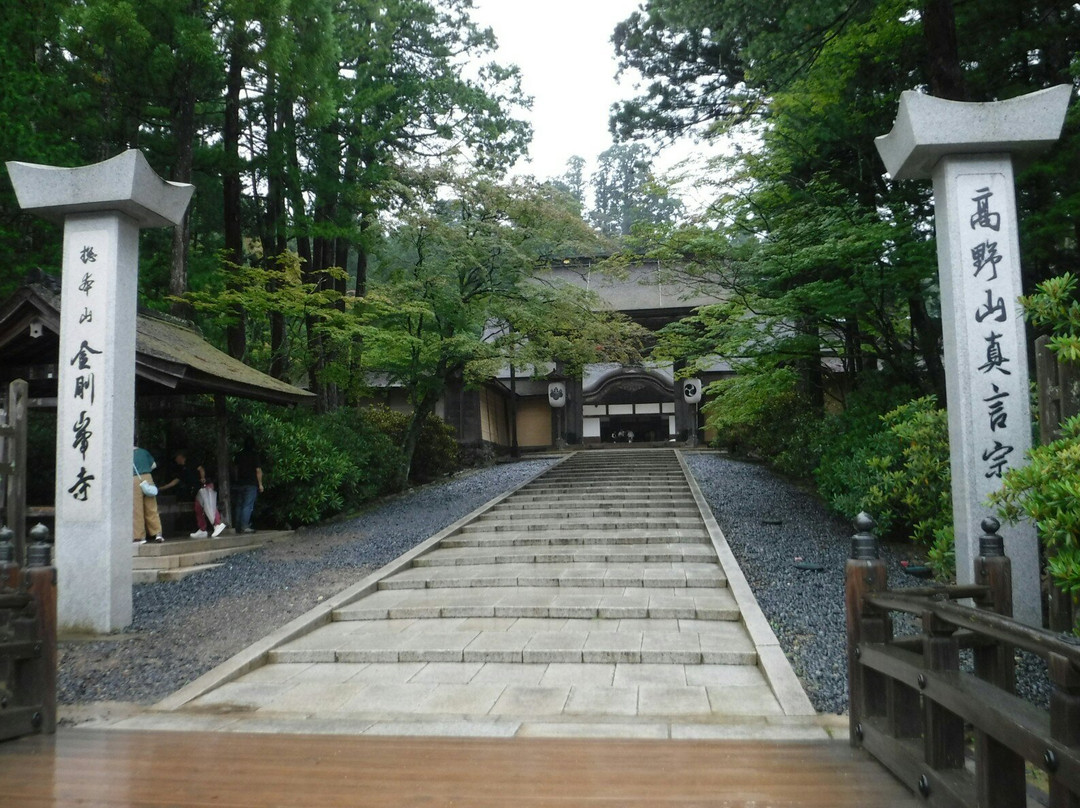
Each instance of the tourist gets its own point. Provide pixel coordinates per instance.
(249, 484)
(147, 522)
(192, 485)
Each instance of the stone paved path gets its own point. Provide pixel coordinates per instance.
(598, 600)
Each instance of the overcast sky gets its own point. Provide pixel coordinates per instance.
(567, 61)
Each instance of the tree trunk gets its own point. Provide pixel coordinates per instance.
(184, 112)
(231, 185)
(927, 334)
(946, 76)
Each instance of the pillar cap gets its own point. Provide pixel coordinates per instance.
(125, 183)
(929, 128)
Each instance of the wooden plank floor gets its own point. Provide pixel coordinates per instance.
(82, 767)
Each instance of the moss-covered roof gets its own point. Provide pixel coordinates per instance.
(170, 356)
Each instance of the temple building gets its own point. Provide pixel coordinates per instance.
(608, 403)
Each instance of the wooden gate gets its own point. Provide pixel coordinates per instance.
(27, 591)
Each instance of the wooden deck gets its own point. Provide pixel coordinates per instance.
(113, 768)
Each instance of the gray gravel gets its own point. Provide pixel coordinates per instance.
(183, 629)
(771, 524)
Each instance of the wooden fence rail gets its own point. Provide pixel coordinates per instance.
(957, 734)
(27, 591)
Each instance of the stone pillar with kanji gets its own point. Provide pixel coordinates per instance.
(102, 207)
(967, 150)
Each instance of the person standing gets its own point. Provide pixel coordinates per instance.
(147, 522)
(193, 486)
(249, 484)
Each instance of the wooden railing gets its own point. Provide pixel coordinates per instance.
(27, 637)
(27, 591)
(912, 704)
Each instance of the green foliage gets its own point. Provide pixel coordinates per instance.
(895, 466)
(748, 411)
(910, 493)
(626, 193)
(436, 452)
(317, 466)
(1054, 306)
(1047, 491)
(458, 294)
(848, 438)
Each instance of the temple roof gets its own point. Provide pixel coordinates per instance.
(171, 357)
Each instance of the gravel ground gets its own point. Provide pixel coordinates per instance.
(772, 524)
(183, 629)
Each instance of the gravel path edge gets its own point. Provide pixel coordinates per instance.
(772, 660)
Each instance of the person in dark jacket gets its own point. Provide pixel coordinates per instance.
(249, 484)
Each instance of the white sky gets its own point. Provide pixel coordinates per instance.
(567, 61)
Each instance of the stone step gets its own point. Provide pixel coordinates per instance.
(609, 483)
(674, 575)
(553, 503)
(612, 493)
(629, 471)
(524, 640)
(583, 538)
(175, 561)
(517, 526)
(514, 602)
(494, 699)
(585, 511)
(187, 546)
(184, 572)
(625, 554)
(153, 576)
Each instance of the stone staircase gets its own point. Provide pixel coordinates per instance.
(176, 559)
(591, 601)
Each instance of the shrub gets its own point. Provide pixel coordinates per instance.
(895, 467)
(317, 466)
(436, 452)
(751, 411)
(847, 440)
(1047, 491)
(912, 495)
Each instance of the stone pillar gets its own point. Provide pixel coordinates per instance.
(966, 149)
(102, 208)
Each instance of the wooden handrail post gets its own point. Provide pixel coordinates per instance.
(864, 573)
(1064, 725)
(40, 577)
(999, 772)
(943, 734)
(993, 569)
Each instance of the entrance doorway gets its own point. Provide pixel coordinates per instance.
(633, 429)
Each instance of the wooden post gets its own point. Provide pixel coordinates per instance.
(944, 731)
(1064, 725)
(1058, 384)
(17, 399)
(224, 487)
(40, 577)
(864, 573)
(999, 772)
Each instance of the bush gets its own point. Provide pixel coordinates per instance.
(911, 493)
(318, 466)
(1047, 491)
(436, 452)
(847, 440)
(754, 412)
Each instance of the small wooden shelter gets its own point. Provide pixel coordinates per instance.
(171, 359)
